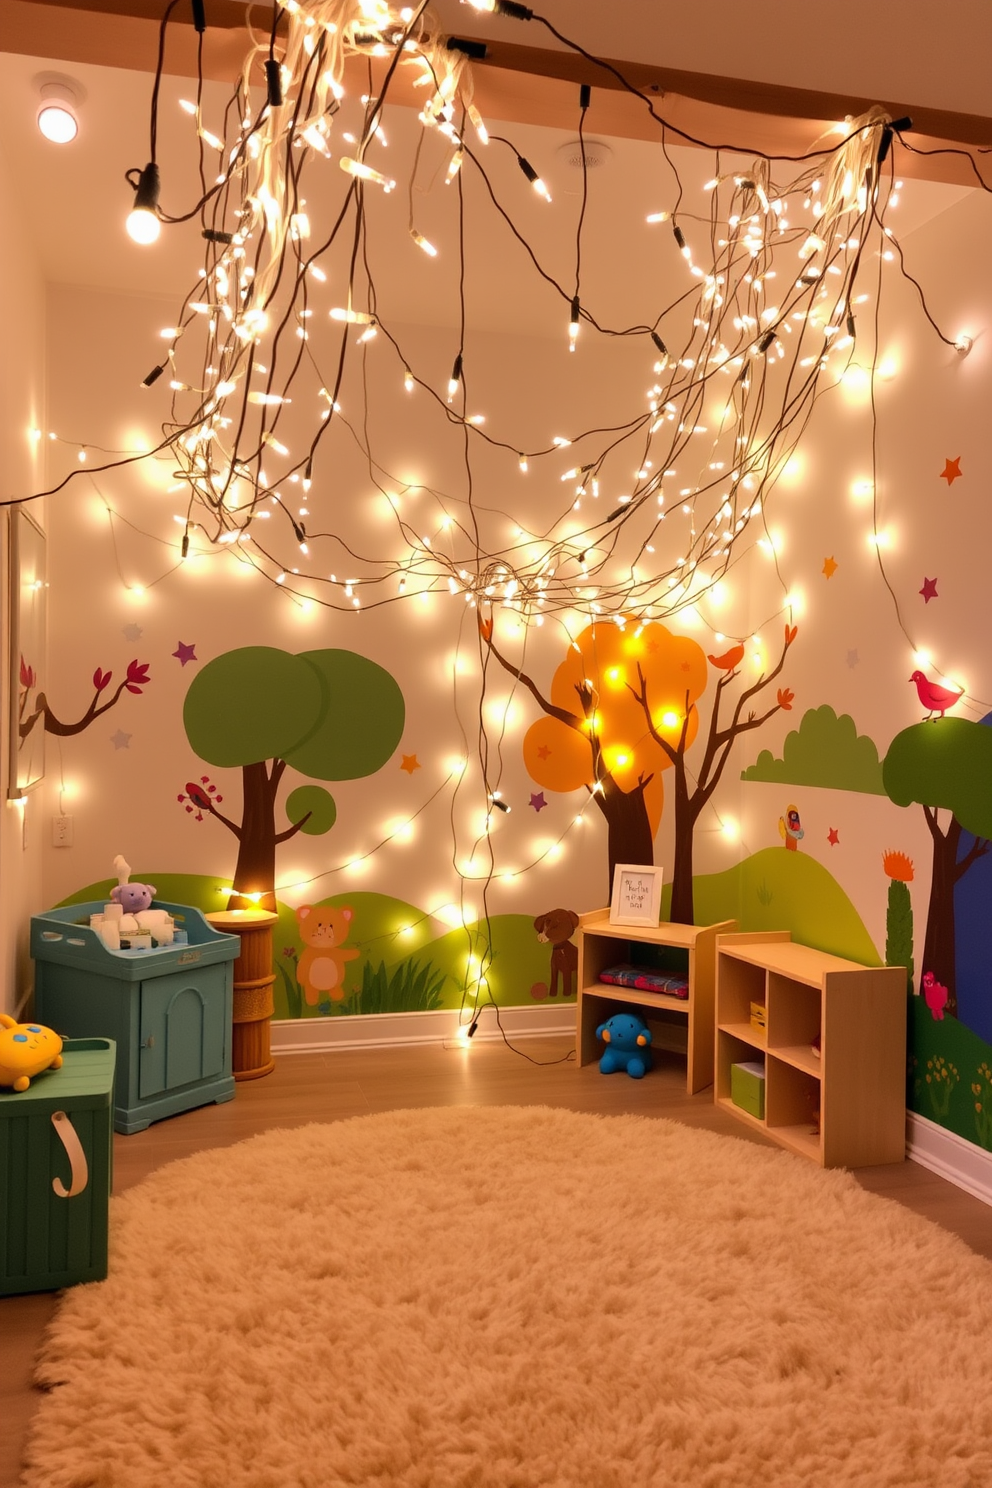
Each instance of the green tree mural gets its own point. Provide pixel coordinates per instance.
(944, 764)
(330, 715)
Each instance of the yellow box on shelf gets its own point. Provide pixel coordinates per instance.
(757, 1015)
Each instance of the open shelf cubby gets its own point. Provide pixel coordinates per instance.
(676, 1024)
(843, 1106)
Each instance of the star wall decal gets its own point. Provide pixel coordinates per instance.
(543, 751)
(833, 836)
(121, 740)
(132, 632)
(929, 590)
(829, 567)
(185, 652)
(537, 801)
(410, 763)
(951, 471)
(853, 658)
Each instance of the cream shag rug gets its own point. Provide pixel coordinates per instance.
(517, 1297)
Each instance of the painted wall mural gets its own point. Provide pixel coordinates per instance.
(623, 709)
(857, 778)
(330, 715)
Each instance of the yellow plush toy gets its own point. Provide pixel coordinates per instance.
(25, 1050)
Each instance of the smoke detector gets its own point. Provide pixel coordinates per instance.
(595, 153)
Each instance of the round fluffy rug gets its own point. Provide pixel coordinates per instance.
(517, 1297)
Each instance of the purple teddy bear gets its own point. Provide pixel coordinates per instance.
(134, 897)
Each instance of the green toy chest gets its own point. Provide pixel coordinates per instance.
(56, 1164)
(169, 1010)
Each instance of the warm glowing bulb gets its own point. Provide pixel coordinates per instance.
(363, 172)
(57, 123)
(353, 317)
(143, 226)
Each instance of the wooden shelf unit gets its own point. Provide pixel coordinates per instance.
(845, 1108)
(602, 944)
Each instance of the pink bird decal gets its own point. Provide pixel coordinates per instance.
(935, 699)
(935, 995)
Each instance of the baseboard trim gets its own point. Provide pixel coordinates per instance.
(944, 1152)
(444, 1026)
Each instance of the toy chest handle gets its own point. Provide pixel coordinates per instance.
(79, 1170)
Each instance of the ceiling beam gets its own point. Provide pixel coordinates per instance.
(523, 83)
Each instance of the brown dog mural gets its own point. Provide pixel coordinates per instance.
(557, 927)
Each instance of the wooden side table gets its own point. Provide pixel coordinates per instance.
(253, 982)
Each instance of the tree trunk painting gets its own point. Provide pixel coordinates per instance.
(682, 909)
(629, 835)
(256, 866)
(939, 944)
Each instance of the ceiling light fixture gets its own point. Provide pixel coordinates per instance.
(57, 117)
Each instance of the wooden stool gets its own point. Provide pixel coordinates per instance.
(253, 982)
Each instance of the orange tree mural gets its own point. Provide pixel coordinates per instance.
(331, 715)
(622, 710)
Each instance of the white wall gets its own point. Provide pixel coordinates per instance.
(22, 401)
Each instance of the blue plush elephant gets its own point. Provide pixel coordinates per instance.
(627, 1039)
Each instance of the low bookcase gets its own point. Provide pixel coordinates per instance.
(833, 1046)
(689, 949)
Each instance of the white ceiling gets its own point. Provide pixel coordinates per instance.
(74, 199)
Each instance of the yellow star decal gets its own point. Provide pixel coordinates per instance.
(829, 567)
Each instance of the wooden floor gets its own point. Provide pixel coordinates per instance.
(335, 1086)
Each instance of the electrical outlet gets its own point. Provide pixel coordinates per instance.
(61, 831)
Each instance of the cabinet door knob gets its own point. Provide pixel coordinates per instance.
(149, 1042)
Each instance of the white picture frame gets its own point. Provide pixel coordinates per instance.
(636, 895)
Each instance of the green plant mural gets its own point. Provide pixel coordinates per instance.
(940, 1081)
(825, 750)
(899, 914)
(331, 715)
(939, 1051)
(981, 1089)
(412, 987)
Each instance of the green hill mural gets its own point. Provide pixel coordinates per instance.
(825, 750)
(779, 890)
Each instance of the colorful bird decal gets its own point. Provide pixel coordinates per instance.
(935, 699)
(935, 995)
(729, 659)
(790, 828)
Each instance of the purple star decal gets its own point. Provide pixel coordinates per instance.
(185, 653)
(929, 590)
(537, 801)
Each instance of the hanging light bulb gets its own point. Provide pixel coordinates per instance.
(143, 225)
(573, 324)
(533, 178)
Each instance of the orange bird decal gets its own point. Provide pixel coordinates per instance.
(729, 659)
